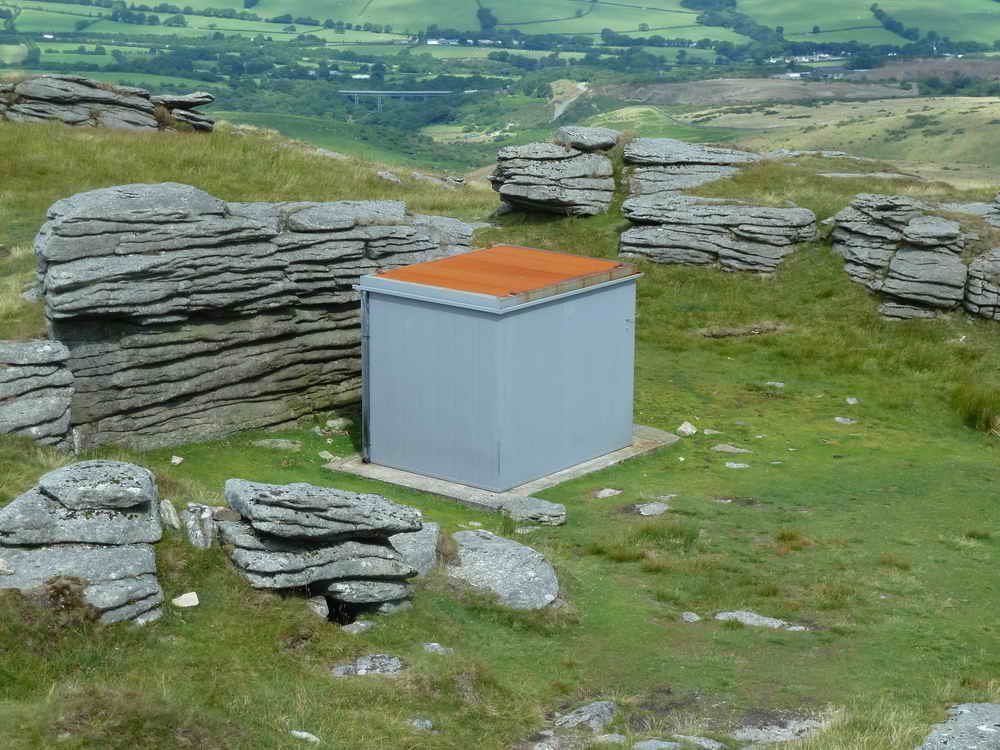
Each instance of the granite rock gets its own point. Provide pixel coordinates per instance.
(555, 179)
(587, 139)
(36, 391)
(518, 575)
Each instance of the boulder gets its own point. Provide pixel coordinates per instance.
(75, 100)
(188, 318)
(519, 576)
(982, 289)
(665, 165)
(99, 532)
(36, 390)
(587, 139)
(418, 548)
(596, 715)
(554, 179)
(381, 664)
(699, 231)
(970, 726)
(304, 511)
(913, 260)
(199, 525)
(534, 509)
(272, 562)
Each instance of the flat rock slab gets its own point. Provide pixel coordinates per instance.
(520, 577)
(645, 440)
(663, 151)
(972, 726)
(596, 716)
(587, 139)
(752, 619)
(305, 511)
(521, 508)
(652, 509)
(372, 664)
(279, 444)
(97, 484)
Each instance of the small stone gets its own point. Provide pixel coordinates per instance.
(775, 463)
(326, 455)
(319, 606)
(357, 628)
(734, 465)
(656, 745)
(278, 444)
(727, 448)
(665, 497)
(304, 736)
(845, 420)
(687, 429)
(596, 715)
(522, 530)
(758, 621)
(377, 664)
(690, 617)
(393, 608)
(168, 515)
(190, 599)
(709, 431)
(388, 177)
(424, 725)
(175, 460)
(437, 648)
(6, 569)
(652, 509)
(474, 524)
(851, 401)
(339, 424)
(606, 493)
(703, 742)
(533, 509)
(775, 384)
(200, 525)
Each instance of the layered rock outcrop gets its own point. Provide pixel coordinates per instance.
(554, 179)
(94, 522)
(36, 389)
(75, 100)
(188, 318)
(666, 165)
(334, 542)
(700, 231)
(913, 259)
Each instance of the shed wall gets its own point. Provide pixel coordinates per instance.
(566, 390)
(431, 394)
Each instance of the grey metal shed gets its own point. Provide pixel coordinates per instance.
(498, 366)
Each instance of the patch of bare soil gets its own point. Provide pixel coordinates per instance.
(720, 91)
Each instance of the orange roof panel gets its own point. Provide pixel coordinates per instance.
(509, 270)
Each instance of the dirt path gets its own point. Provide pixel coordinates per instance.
(561, 106)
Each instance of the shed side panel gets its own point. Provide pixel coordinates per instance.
(432, 389)
(567, 392)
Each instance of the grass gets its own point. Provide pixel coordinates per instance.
(875, 535)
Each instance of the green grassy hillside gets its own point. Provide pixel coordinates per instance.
(881, 536)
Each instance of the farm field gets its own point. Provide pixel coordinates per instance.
(880, 538)
(975, 20)
(657, 122)
(13, 53)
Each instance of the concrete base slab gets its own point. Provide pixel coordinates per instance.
(645, 440)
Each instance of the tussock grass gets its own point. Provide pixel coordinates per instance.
(978, 404)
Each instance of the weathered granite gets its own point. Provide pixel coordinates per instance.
(304, 511)
(418, 548)
(76, 100)
(913, 260)
(587, 139)
(664, 151)
(36, 390)
(188, 318)
(982, 289)
(699, 231)
(271, 562)
(95, 533)
(554, 179)
(519, 576)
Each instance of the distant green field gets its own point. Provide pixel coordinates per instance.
(692, 53)
(655, 122)
(975, 20)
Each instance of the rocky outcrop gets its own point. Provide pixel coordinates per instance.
(913, 260)
(334, 542)
(665, 165)
(554, 179)
(982, 287)
(188, 318)
(36, 389)
(701, 231)
(94, 522)
(587, 139)
(517, 575)
(76, 100)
